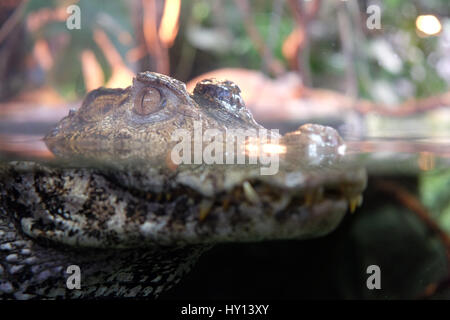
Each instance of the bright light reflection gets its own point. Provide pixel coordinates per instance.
(253, 148)
(274, 148)
(428, 24)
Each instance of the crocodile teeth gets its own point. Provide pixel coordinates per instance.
(205, 209)
(355, 202)
(250, 193)
(312, 196)
(280, 205)
(226, 203)
(309, 198)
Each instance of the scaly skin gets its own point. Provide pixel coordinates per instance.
(114, 203)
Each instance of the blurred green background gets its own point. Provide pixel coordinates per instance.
(326, 45)
(327, 42)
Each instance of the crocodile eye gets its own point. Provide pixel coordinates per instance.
(148, 101)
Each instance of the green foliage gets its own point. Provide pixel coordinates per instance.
(228, 27)
(435, 194)
(66, 74)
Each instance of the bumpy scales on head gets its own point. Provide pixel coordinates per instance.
(114, 203)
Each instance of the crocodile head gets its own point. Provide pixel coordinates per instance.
(140, 196)
(146, 178)
(139, 121)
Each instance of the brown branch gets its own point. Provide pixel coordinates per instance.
(12, 21)
(303, 16)
(363, 106)
(271, 63)
(434, 288)
(412, 203)
(347, 42)
(152, 41)
(274, 25)
(406, 108)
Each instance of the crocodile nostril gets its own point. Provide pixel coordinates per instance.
(54, 132)
(72, 112)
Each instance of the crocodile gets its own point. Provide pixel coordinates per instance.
(113, 215)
